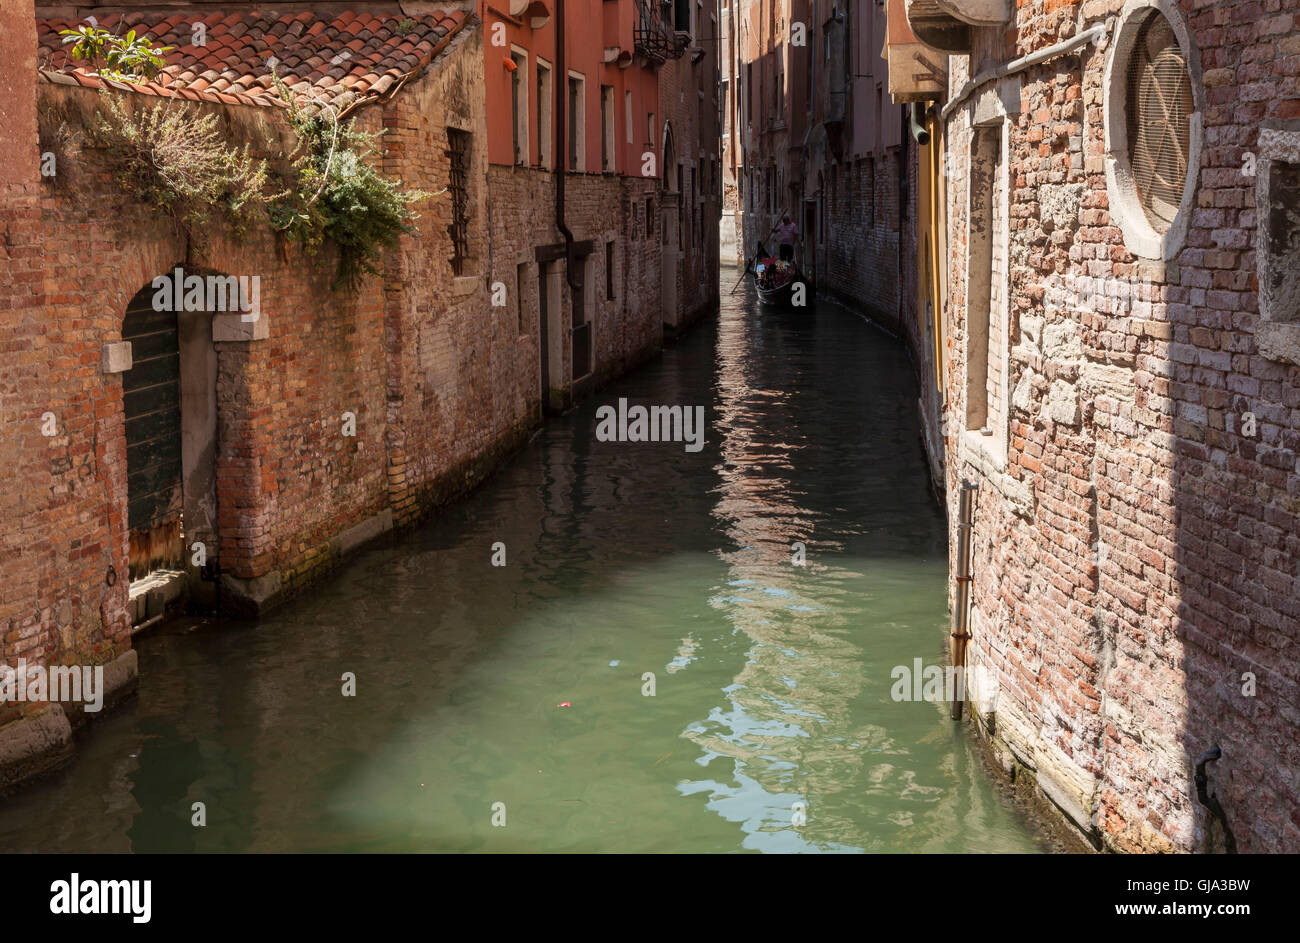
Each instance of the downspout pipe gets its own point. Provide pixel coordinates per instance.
(961, 612)
(561, 141)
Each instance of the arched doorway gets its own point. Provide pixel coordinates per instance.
(170, 411)
(151, 397)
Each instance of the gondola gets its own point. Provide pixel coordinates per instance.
(782, 294)
(776, 288)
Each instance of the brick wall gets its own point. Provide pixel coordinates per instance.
(1135, 556)
(688, 98)
(438, 381)
(862, 231)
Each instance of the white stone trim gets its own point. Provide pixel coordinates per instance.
(235, 327)
(1140, 237)
(1278, 332)
(115, 357)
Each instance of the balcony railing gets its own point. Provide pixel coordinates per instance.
(654, 34)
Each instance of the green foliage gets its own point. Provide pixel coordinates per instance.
(338, 193)
(129, 57)
(175, 158)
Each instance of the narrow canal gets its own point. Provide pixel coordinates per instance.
(520, 692)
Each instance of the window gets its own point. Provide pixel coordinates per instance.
(808, 57)
(869, 199)
(607, 128)
(650, 136)
(577, 123)
(458, 187)
(1153, 118)
(987, 336)
(519, 105)
(682, 16)
(1277, 245)
(749, 94)
(649, 218)
(1159, 120)
(627, 115)
(545, 156)
(521, 279)
(609, 270)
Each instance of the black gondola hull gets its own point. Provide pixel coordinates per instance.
(782, 295)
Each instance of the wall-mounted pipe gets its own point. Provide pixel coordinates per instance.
(961, 612)
(1091, 34)
(1211, 801)
(561, 140)
(920, 133)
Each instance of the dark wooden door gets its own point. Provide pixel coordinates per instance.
(152, 398)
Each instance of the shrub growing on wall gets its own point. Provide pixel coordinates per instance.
(338, 194)
(175, 157)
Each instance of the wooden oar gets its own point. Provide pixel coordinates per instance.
(748, 270)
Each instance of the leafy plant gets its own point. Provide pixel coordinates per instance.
(128, 57)
(338, 193)
(177, 159)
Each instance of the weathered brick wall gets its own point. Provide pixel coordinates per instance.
(598, 207)
(1136, 555)
(458, 396)
(287, 478)
(688, 98)
(55, 607)
(863, 235)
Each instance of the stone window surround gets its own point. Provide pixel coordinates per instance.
(1277, 336)
(991, 106)
(1140, 237)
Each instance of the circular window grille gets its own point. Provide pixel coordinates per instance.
(1159, 108)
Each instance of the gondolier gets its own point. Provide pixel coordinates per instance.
(787, 232)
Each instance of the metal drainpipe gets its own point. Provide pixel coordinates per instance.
(561, 138)
(903, 194)
(961, 626)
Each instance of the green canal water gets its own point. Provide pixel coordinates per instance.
(519, 692)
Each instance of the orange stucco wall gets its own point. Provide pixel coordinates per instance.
(591, 26)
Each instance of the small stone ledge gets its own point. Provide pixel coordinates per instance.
(115, 357)
(121, 678)
(150, 596)
(34, 745)
(355, 536)
(233, 327)
(250, 596)
(1019, 495)
(1279, 342)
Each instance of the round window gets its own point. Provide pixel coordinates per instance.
(1153, 106)
(1159, 109)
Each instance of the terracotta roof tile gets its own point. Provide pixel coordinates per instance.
(339, 58)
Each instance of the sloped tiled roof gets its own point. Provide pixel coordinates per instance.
(341, 58)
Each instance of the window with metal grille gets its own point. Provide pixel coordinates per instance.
(1159, 107)
(458, 152)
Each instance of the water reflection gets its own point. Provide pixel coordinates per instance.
(518, 693)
